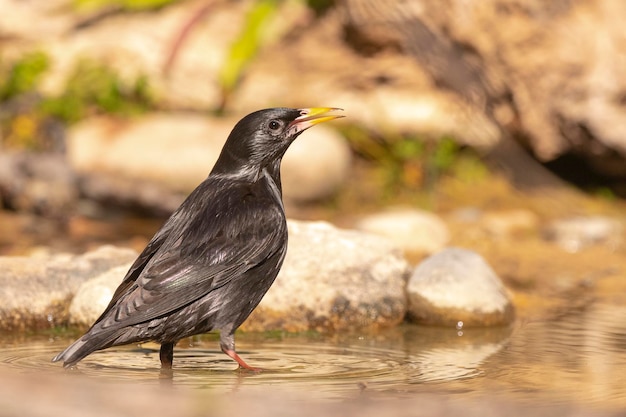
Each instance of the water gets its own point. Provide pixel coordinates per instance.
(578, 358)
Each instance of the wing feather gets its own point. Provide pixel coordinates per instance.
(198, 250)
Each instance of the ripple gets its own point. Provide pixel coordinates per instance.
(328, 368)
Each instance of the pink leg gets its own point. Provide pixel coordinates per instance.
(241, 362)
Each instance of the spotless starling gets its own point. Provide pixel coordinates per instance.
(214, 259)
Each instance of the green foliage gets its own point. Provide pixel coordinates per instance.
(605, 193)
(26, 115)
(244, 49)
(95, 88)
(406, 162)
(320, 6)
(130, 5)
(445, 153)
(23, 76)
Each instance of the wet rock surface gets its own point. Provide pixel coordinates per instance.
(456, 287)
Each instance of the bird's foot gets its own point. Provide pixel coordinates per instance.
(241, 362)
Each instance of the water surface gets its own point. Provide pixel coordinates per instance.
(577, 358)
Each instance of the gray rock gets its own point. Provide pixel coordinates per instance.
(36, 291)
(415, 231)
(41, 183)
(456, 287)
(316, 165)
(577, 233)
(93, 296)
(176, 150)
(334, 279)
(509, 223)
(564, 111)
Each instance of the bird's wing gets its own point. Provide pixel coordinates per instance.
(140, 263)
(201, 253)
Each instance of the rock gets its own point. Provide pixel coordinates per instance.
(523, 62)
(414, 231)
(332, 280)
(509, 223)
(36, 291)
(456, 287)
(577, 233)
(93, 296)
(40, 183)
(178, 152)
(316, 165)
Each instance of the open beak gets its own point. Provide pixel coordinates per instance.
(312, 116)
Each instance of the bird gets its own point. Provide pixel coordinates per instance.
(216, 256)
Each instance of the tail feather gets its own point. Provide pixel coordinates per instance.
(84, 346)
(74, 353)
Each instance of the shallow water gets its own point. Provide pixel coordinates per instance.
(578, 358)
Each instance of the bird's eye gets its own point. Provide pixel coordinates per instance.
(274, 125)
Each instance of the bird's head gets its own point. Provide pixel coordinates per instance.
(261, 138)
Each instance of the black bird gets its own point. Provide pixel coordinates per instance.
(214, 259)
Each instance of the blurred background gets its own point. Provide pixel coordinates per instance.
(476, 124)
(493, 125)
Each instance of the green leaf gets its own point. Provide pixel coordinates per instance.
(24, 75)
(248, 43)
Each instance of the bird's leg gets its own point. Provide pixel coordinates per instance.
(227, 343)
(166, 354)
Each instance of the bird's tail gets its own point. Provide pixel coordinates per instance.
(74, 353)
(83, 347)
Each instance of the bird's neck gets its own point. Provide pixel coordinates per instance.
(252, 174)
(273, 171)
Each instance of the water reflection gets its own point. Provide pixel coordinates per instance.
(579, 357)
(389, 361)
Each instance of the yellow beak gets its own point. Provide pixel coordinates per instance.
(315, 115)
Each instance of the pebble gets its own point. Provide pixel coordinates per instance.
(577, 233)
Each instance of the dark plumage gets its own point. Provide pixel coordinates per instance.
(210, 264)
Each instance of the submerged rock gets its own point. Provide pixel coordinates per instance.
(456, 287)
(36, 291)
